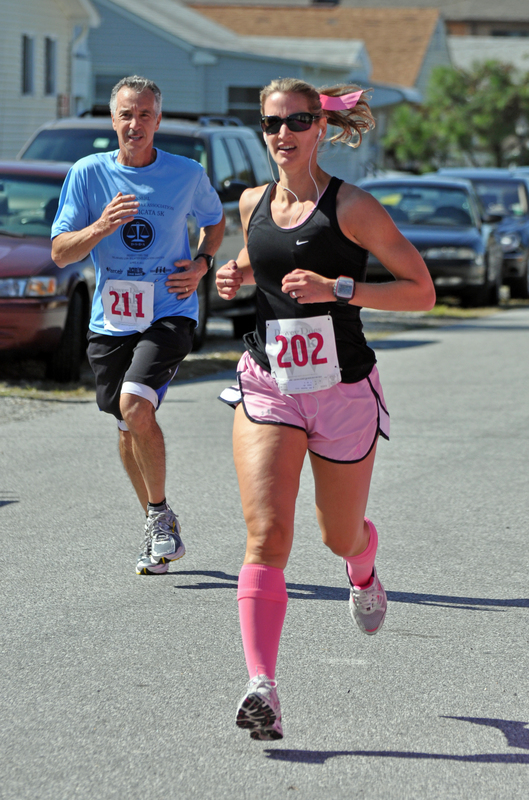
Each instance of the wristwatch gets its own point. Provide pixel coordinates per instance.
(207, 258)
(343, 290)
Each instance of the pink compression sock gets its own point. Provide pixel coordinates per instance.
(360, 567)
(262, 597)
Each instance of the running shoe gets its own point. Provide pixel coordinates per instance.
(162, 543)
(368, 606)
(259, 710)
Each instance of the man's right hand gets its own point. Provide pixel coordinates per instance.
(76, 245)
(121, 209)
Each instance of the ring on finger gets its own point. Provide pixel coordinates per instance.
(293, 294)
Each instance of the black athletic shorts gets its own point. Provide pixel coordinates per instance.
(146, 362)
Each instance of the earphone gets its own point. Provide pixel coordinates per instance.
(319, 134)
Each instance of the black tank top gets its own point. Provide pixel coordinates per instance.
(318, 245)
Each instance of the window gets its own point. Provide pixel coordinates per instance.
(28, 48)
(243, 170)
(221, 164)
(104, 85)
(243, 102)
(50, 66)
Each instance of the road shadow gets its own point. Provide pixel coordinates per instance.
(515, 732)
(310, 591)
(321, 756)
(399, 344)
(7, 498)
(480, 326)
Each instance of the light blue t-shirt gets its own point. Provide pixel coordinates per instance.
(169, 190)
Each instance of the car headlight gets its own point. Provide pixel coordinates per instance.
(510, 242)
(28, 287)
(453, 254)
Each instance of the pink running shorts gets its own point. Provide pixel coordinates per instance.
(342, 423)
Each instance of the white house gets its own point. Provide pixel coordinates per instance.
(44, 63)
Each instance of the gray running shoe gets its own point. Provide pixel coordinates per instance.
(259, 710)
(368, 606)
(162, 543)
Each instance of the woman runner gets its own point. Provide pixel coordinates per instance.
(308, 380)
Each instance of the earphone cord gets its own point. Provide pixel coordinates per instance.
(286, 189)
(306, 416)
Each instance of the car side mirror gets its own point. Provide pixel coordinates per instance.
(491, 218)
(232, 190)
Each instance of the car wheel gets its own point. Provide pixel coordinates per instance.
(203, 311)
(520, 286)
(243, 324)
(64, 364)
(494, 291)
(486, 295)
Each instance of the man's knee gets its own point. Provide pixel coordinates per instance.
(137, 411)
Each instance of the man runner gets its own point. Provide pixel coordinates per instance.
(129, 209)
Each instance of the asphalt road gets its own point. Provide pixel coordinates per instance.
(120, 686)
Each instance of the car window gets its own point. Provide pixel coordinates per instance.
(242, 168)
(261, 168)
(179, 145)
(416, 205)
(502, 197)
(70, 144)
(28, 204)
(222, 166)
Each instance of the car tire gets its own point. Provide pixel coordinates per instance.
(486, 295)
(203, 312)
(244, 323)
(520, 286)
(64, 364)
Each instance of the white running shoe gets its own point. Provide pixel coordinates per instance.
(259, 710)
(368, 606)
(162, 542)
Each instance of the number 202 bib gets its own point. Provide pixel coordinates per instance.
(302, 354)
(128, 305)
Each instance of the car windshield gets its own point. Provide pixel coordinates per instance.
(428, 205)
(28, 204)
(61, 144)
(508, 197)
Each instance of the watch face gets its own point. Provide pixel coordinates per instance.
(344, 288)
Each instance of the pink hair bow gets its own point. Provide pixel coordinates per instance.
(340, 103)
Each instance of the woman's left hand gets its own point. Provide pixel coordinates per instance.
(308, 287)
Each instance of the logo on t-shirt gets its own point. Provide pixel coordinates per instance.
(137, 235)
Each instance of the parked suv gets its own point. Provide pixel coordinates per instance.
(233, 158)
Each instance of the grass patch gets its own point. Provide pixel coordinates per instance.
(26, 378)
(442, 311)
(199, 366)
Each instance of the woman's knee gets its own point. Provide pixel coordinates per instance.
(346, 544)
(268, 543)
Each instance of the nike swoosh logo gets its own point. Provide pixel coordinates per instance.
(305, 242)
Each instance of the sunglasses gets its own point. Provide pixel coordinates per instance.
(294, 122)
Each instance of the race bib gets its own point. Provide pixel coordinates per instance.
(128, 305)
(302, 354)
